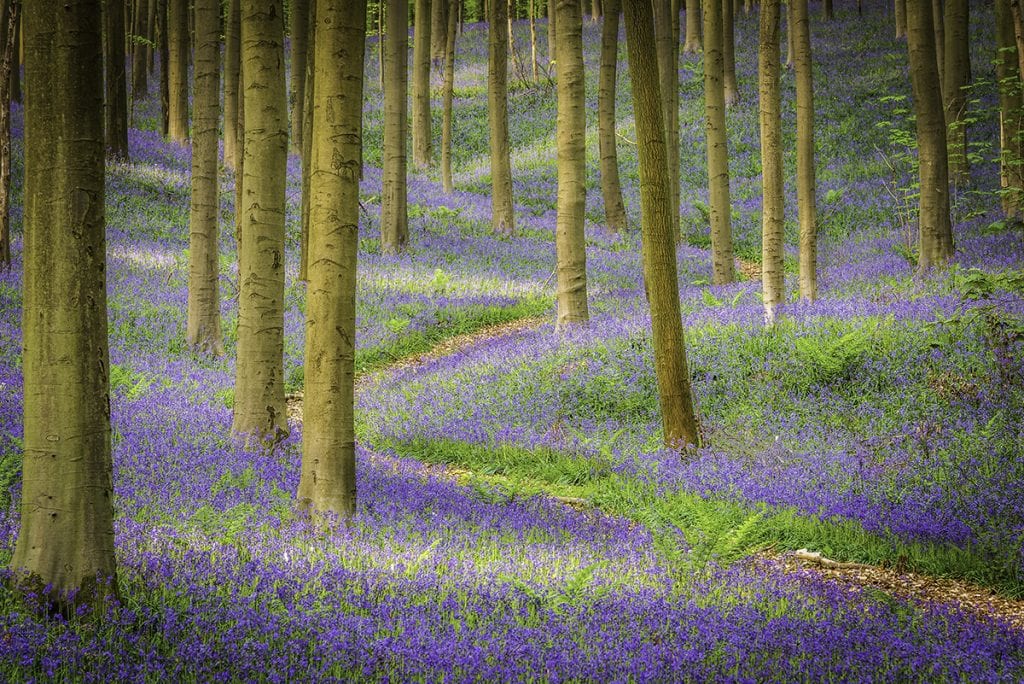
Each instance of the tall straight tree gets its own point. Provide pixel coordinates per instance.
(552, 19)
(935, 233)
(177, 70)
(203, 330)
(722, 270)
(938, 28)
(692, 43)
(327, 483)
(679, 422)
(307, 142)
(394, 221)
(259, 375)
(502, 219)
(421, 139)
(668, 72)
(956, 77)
(611, 190)
(140, 85)
(901, 18)
(8, 31)
(299, 30)
(570, 242)
(732, 91)
(232, 71)
(449, 92)
(165, 68)
(770, 114)
(66, 537)
(805, 174)
(1011, 113)
(116, 98)
(438, 30)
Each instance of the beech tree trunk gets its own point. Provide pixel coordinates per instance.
(299, 30)
(552, 20)
(956, 78)
(140, 86)
(165, 67)
(732, 91)
(773, 211)
(421, 137)
(1011, 110)
(901, 18)
(307, 142)
(116, 97)
(259, 377)
(66, 535)
(693, 43)
(935, 230)
(8, 31)
(611, 190)
(502, 218)
(668, 72)
(203, 330)
(327, 482)
(177, 70)
(394, 222)
(805, 170)
(449, 90)
(232, 66)
(940, 41)
(679, 422)
(722, 270)
(438, 31)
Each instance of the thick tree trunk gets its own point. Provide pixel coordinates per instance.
(570, 241)
(805, 173)
(901, 18)
(438, 31)
(8, 31)
(722, 269)
(66, 538)
(502, 218)
(421, 137)
(693, 21)
(232, 65)
(116, 93)
(140, 86)
(299, 29)
(177, 70)
(668, 72)
(327, 482)
(449, 91)
(956, 78)
(394, 223)
(611, 190)
(595, 10)
(935, 230)
(203, 331)
(679, 423)
(1011, 114)
(259, 377)
(771, 161)
(732, 91)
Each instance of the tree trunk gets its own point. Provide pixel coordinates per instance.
(805, 173)
(668, 72)
(692, 43)
(935, 230)
(940, 40)
(165, 67)
(826, 11)
(789, 34)
(449, 90)
(611, 190)
(679, 423)
(1011, 110)
(534, 64)
(299, 46)
(307, 142)
(394, 223)
(1018, 31)
(732, 91)
(956, 78)
(722, 270)
(570, 241)
(901, 18)
(140, 86)
(327, 482)
(421, 138)
(177, 70)
(259, 378)
(438, 31)
(552, 21)
(8, 27)
(771, 161)
(232, 57)
(203, 327)
(66, 538)
(595, 10)
(151, 24)
(116, 94)
(502, 218)
(19, 62)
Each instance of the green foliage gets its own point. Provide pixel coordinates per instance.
(580, 587)
(827, 360)
(710, 542)
(11, 459)
(129, 383)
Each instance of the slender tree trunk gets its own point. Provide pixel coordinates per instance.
(165, 68)
(692, 43)
(66, 536)
(11, 19)
(826, 10)
(611, 190)
(668, 71)
(116, 94)
(956, 78)
(534, 65)
(1011, 114)
(140, 86)
(595, 10)
(901, 18)
(552, 25)
(789, 33)
(177, 70)
(935, 230)
(438, 31)
(570, 241)
(380, 43)
(805, 173)
(19, 62)
(151, 23)
(239, 145)
(679, 422)
(259, 376)
(449, 89)
(771, 161)
(299, 19)
(203, 326)
(1018, 31)
(307, 143)
(732, 91)
(394, 223)
(748, 6)
(722, 270)
(502, 218)
(327, 482)
(232, 64)
(421, 137)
